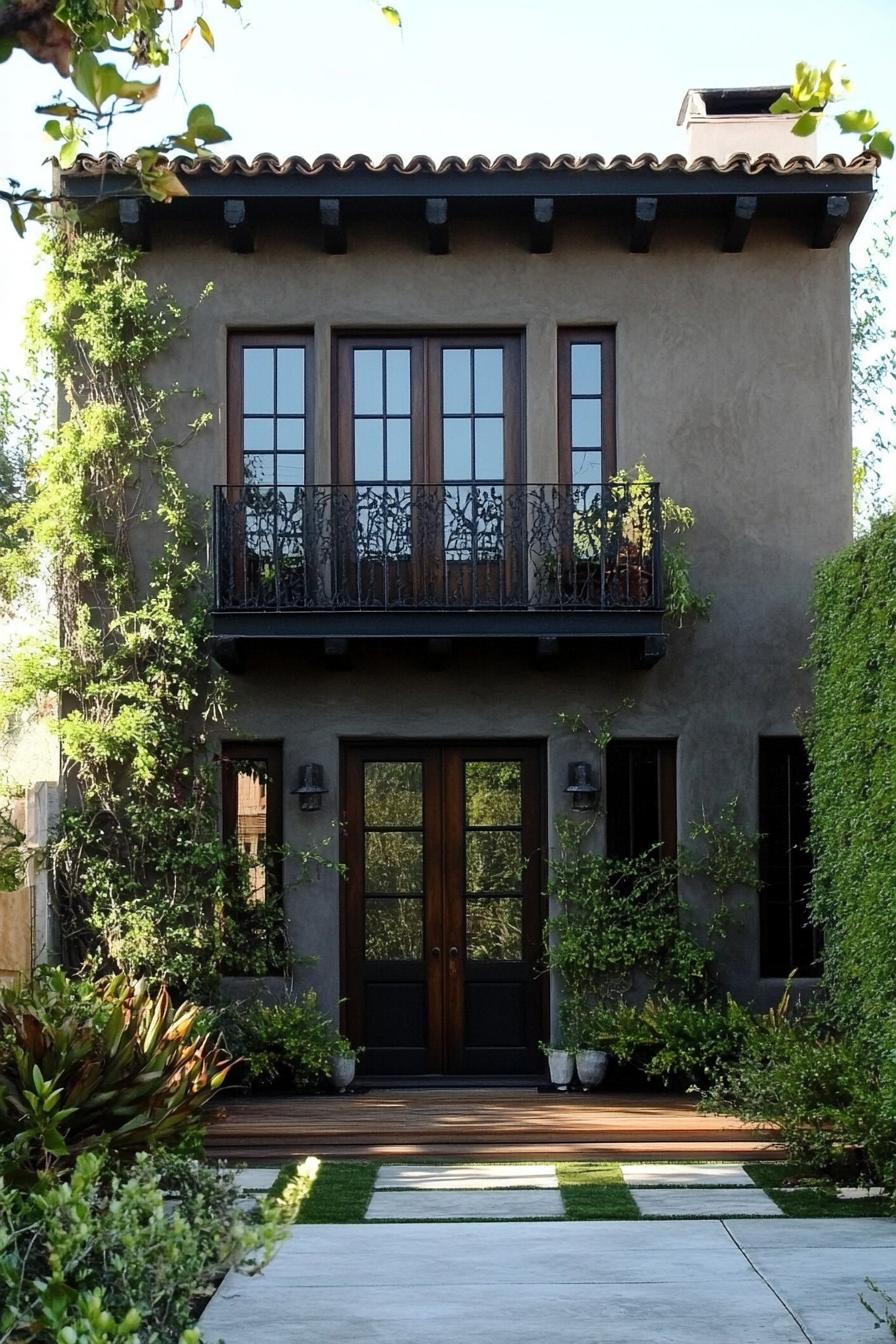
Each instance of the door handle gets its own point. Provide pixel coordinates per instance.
(452, 952)
(452, 960)
(436, 952)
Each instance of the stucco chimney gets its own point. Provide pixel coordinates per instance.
(722, 122)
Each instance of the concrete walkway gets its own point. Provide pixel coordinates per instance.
(781, 1281)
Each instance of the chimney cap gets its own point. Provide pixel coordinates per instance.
(754, 101)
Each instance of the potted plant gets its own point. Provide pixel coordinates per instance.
(560, 1065)
(343, 1060)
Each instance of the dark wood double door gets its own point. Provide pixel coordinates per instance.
(443, 906)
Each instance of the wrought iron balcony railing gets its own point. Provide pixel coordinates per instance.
(452, 547)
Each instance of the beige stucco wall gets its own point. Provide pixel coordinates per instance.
(732, 384)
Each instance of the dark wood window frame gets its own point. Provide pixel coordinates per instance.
(605, 337)
(666, 796)
(787, 943)
(237, 342)
(271, 752)
(426, 396)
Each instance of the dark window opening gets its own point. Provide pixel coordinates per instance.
(252, 818)
(641, 802)
(788, 942)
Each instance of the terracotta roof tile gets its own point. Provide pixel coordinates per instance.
(236, 166)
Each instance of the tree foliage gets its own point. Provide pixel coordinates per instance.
(809, 97)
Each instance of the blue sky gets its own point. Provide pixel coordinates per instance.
(464, 77)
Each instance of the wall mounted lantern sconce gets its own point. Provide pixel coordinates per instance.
(582, 786)
(310, 788)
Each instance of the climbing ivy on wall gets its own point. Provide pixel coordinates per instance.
(852, 743)
(143, 881)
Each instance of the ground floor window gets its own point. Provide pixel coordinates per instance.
(788, 943)
(640, 797)
(252, 816)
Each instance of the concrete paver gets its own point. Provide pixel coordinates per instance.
(457, 1204)
(684, 1173)
(475, 1176)
(702, 1203)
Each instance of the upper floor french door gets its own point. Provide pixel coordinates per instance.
(428, 447)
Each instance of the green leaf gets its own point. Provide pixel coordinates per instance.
(68, 153)
(53, 130)
(18, 221)
(136, 92)
(58, 110)
(234, 4)
(7, 47)
(206, 32)
(806, 124)
(784, 105)
(857, 122)
(882, 143)
(391, 15)
(200, 115)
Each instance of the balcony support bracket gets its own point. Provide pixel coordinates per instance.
(437, 225)
(332, 227)
(133, 220)
(649, 650)
(228, 654)
(541, 228)
(547, 652)
(439, 652)
(336, 653)
(643, 224)
(741, 217)
(831, 218)
(240, 234)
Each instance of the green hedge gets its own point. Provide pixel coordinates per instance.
(852, 742)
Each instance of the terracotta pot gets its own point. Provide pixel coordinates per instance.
(591, 1066)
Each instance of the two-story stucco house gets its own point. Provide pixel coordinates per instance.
(426, 379)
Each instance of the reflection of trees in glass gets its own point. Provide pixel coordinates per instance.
(492, 793)
(393, 929)
(494, 861)
(495, 929)
(251, 811)
(393, 861)
(393, 793)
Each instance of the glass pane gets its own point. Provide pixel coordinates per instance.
(494, 861)
(586, 423)
(398, 450)
(393, 793)
(252, 820)
(492, 791)
(457, 448)
(258, 436)
(291, 436)
(398, 382)
(586, 468)
(290, 381)
(490, 450)
(291, 469)
(258, 382)
(586, 370)
(495, 929)
(368, 382)
(258, 468)
(393, 930)
(368, 450)
(456, 381)
(489, 380)
(393, 861)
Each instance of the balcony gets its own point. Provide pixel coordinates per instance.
(459, 560)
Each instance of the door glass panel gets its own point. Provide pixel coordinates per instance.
(492, 793)
(586, 422)
(585, 371)
(273, 405)
(368, 382)
(393, 793)
(456, 382)
(258, 382)
(494, 861)
(489, 381)
(490, 449)
(393, 862)
(393, 929)
(494, 928)
(252, 820)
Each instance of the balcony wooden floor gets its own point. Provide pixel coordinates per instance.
(506, 1123)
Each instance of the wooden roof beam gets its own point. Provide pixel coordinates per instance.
(541, 225)
(133, 220)
(332, 226)
(643, 224)
(436, 214)
(240, 234)
(743, 212)
(831, 218)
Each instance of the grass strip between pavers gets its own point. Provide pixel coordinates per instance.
(814, 1197)
(595, 1190)
(340, 1193)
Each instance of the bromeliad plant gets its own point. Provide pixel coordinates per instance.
(111, 1066)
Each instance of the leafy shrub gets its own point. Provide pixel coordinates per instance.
(84, 1065)
(692, 1043)
(286, 1044)
(95, 1256)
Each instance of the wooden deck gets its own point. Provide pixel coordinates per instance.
(485, 1123)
